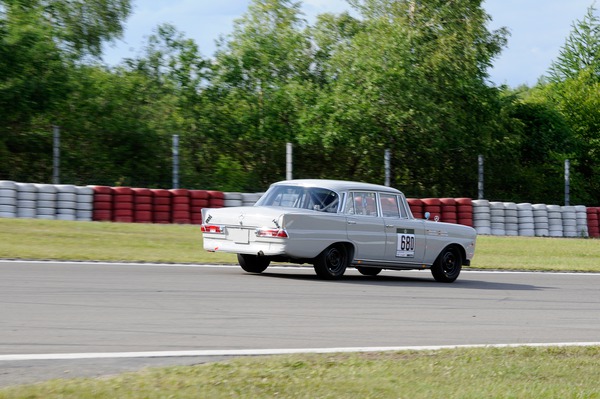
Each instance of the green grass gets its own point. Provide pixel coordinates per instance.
(113, 242)
(460, 373)
(133, 242)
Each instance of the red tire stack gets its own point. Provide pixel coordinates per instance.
(161, 206)
(448, 208)
(416, 207)
(198, 199)
(102, 204)
(216, 199)
(142, 205)
(593, 216)
(464, 211)
(434, 207)
(122, 204)
(180, 206)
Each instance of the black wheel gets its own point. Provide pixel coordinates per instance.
(332, 262)
(447, 266)
(368, 271)
(253, 263)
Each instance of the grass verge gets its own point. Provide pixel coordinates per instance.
(526, 372)
(132, 242)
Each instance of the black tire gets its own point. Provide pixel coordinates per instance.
(253, 263)
(368, 271)
(447, 266)
(332, 262)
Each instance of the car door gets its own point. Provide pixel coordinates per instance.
(405, 238)
(365, 226)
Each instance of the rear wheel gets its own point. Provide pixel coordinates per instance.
(253, 263)
(368, 271)
(332, 262)
(448, 265)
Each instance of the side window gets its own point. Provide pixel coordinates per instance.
(389, 205)
(361, 203)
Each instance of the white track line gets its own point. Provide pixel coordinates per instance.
(263, 352)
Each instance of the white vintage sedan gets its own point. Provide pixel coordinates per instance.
(335, 225)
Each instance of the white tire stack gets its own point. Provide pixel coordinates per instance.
(8, 199)
(497, 218)
(26, 200)
(555, 224)
(581, 221)
(46, 201)
(249, 199)
(511, 219)
(482, 217)
(232, 199)
(540, 220)
(526, 221)
(85, 204)
(569, 220)
(66, 202)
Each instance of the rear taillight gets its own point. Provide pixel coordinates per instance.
(271, 233)
(212, 228)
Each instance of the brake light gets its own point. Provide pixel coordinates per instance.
(212, 228)
(271, 233)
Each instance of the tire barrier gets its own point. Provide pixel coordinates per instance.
(180, 206)
(593, 214)
(161, 205)
(122, 204)
(102, 204)
(449, 210)
(232, 199)
(8, 199)
(482, 216)
(497, 220)
(46, 201)
(526, 221)
(529, 220)
(249, 199)
(198, 199)
(434, 207)
(416, 207)
(464, 211)
(142, 205)
(183, 206)
(216, 199)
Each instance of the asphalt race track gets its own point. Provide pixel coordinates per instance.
(62, 320)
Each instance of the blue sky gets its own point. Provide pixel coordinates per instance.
(538, 29)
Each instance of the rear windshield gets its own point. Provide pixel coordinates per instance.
(314, 198)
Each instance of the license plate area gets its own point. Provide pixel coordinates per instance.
(239, 236)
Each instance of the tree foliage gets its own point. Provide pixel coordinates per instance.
(406, 75)
(573, 87)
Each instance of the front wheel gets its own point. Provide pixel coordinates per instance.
(332, 262)
(447, 266)
(253, 263)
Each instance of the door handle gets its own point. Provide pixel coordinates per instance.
(351, 221)
(389, 225)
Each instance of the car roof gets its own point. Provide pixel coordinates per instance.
(338, 185)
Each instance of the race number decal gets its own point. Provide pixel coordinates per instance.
(406, 243)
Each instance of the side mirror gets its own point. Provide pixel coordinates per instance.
(427, 215)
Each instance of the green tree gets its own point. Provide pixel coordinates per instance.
(260, 72)
(573, 86)
(40, 41)
(413, 79)
(581, 50)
